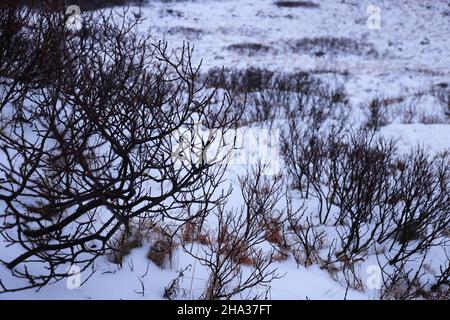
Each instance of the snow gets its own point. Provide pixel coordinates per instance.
(404, 65)
(434, 137)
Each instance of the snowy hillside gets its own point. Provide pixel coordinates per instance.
(352, 123)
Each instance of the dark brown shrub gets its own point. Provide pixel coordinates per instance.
(297, 4)
(160, 252)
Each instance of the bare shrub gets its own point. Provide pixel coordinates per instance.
(421, 188)
(240, 81)
(381, 196)
(408, 112)
(191, 232)
(303, 153)
(121, 245)
(88, 139)
(269, 94)
(173, 290)
(358, 176)
(404, 282)
(235, 246)
(237, 240)
(255, 88)
(273, 231)
(249, 48)
(377, 114)
(399, 201)
(160, 251)
(410, 279)
(443, 96)
(61, 5)
(440, 289)
(321, 70)
(352, 278)
(302, 237)
(261, 195)
(315, 104)
(188, 32)
(321, 46)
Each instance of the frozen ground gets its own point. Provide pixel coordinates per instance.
(411, 54)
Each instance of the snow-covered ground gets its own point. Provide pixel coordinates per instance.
(411, 54)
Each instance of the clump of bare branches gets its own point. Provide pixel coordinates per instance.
(404, 282)
(234, 257)
(123, 243)
(377, 114)
(440, 289)
(160, 252)
(314, 103)
(240, 80)
(87, 137)
(270, 95)
(174, 288)
(442, 93)
(303, 237)
(320, 46)
(187, 32)
(413, 278)
(379, 194)
(249, 48)
(372, 196)
(61, 5)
